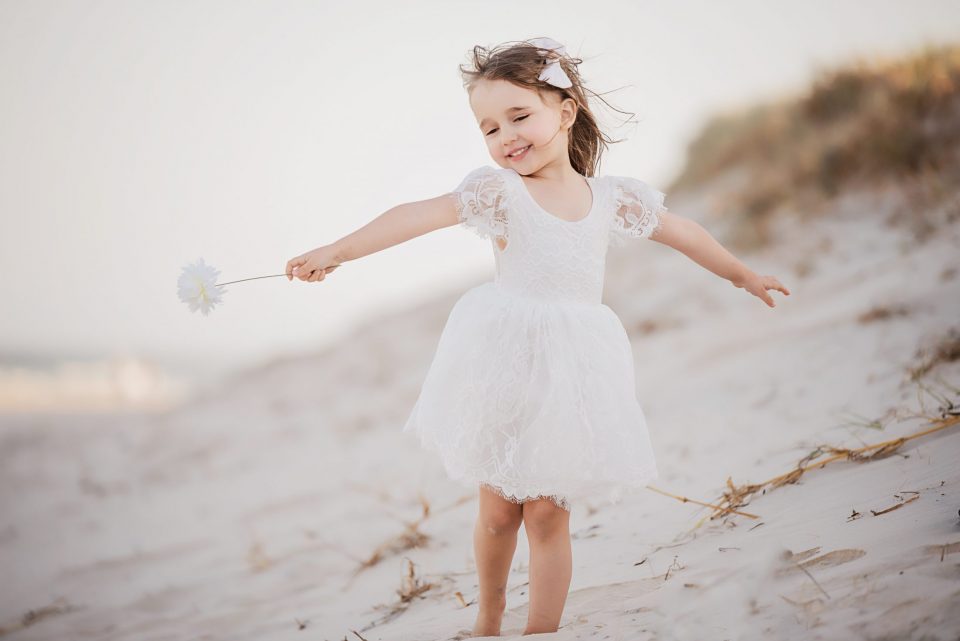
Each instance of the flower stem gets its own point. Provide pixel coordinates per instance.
(243, 279)
(328, 270)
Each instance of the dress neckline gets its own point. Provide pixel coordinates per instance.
(591, 184)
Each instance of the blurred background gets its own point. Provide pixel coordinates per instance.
(140, 136)
(170, 475)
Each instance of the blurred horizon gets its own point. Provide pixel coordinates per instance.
(140, 137)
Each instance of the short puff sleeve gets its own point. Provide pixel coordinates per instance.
(480, 200)
(637, 210)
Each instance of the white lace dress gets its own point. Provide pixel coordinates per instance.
(531, 391)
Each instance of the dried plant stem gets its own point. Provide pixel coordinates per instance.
(737, 495)
(685, 499)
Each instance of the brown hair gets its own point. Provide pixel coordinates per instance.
(521, 63)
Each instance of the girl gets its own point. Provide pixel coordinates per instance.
(530, 395)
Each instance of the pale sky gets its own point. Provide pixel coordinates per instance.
(140, 136)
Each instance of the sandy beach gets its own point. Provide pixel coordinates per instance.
(809, 453)
(286, 505)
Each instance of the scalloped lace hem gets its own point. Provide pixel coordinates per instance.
(558, 500)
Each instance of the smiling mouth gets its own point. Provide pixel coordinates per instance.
(520, 154)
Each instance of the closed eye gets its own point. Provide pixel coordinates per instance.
(514, 120)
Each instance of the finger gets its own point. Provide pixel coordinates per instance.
(292, 265)
(769, 282)
(781, 287)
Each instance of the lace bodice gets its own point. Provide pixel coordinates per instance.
(541, 255)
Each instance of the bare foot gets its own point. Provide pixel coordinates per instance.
(488, 621)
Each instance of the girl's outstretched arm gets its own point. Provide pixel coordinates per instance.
(691, 238)
(394, 226)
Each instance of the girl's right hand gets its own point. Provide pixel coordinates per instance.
(312, 266)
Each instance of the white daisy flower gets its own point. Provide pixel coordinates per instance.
(197, 286)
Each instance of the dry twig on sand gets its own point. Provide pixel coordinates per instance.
(410, 537)
(410, 588)
(738, 495)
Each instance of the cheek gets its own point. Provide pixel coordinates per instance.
(538, 132)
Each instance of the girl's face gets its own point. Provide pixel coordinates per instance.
(513, 117)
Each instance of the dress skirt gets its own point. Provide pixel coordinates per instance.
(534, 399)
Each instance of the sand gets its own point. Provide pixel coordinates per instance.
(286, 504)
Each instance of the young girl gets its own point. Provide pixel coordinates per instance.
(530, 396)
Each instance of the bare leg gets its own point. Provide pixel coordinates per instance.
(494, 543)
(551, 563)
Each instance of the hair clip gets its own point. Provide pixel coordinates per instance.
(553, 73)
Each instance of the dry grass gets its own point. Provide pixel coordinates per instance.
(865, 124)
(946, 415)
(410, 537)
(737, 496)
(946, 349)
(411, 587)
(58, 607)
(882, 312)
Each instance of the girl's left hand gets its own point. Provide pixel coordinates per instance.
(758, 286)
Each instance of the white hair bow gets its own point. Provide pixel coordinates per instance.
(553, 73)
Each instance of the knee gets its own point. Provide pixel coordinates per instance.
(501, 521)
(543, 519)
